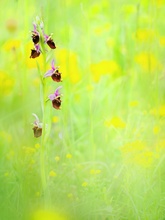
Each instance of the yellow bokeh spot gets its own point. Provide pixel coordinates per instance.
(129, 9)
(84, 184)
(145, 35)
(6, 83)
(29, 150)
(160, 111)
(93, 171)
(159, 2)
(55, 119)
(104, 67)
(147, 61)
(48, 215)
(67, 60)
(37, 146)
(101, 29)
(133, 103)
(52, 173)
(115, 122)
(57, 158)
(162, 41)
(145, 159)
(11, 45)
(133, 146)
(69, 156)
(156, 129)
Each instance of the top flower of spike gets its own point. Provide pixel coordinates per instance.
(39, 38)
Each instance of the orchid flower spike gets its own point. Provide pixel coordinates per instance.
(56, 98)
(37, 127)
(54, 73)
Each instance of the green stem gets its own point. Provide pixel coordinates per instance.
(44, 130)
(42, 154)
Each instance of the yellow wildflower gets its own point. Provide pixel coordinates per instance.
(6, 83)
(129, 9)
(156, 129)
(147, 61)
(104, 67)
(84, 184)
(162, 41)
(48, 215)
(11, 44)
(37, 146)
(55, 119)
(145, 159)
(57, 158)
(29, 150)
(52, 173)
(159, 2)
(134, 103)
(69, 156)
(145, 35)
(159, 111)
(116, 122)
(93, 171)
(68, 65)
(103, 28)
(133, 146)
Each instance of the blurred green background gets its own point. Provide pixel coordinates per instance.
(105, 154)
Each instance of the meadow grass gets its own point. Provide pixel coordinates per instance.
(104, 158)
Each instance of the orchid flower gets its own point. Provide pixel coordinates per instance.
(55, 98)
(35, 34)
(48, 39)
(54, 73)
(35, 52)
(37, 126)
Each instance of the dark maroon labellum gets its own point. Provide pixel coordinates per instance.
(56, 76)
(35, 38)
(34, 54)
(37, 131)
(51, 44)
(56, 102)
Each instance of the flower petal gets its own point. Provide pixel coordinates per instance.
(52, 97)
(52, 64)
(48, 73)
(36, 122)
(57, 93)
